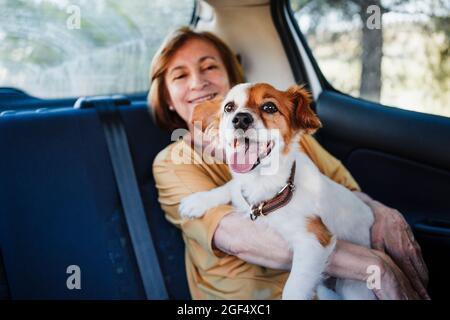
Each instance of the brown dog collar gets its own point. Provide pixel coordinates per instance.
(281, 199)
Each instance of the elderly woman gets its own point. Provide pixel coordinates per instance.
(227, 255)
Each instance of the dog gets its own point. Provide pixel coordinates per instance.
(260, 128)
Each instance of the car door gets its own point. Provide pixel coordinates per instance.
(399, 157)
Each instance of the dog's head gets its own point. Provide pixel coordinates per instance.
(254, 121)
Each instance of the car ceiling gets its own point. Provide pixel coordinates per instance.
(247, 26)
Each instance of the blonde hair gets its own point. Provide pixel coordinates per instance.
(157, 97)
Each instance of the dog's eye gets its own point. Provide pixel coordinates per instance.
(269, 107)
(229, 107)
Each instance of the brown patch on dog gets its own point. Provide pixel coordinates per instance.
(316, 226)
(305, 118)
(283, 119)
(294, 111)
(207, 115)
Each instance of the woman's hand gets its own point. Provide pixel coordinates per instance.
(351, 261)
(394, 285)
(391, 234)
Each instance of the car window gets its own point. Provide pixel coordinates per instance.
(396, 52)
(61, 48)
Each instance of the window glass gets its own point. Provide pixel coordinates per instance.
(61, 48)
(396, 52)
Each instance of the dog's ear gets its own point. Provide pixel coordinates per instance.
(206, 115)
(304, 117)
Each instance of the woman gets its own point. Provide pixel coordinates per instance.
(227, 255)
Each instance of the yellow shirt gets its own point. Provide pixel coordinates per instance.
(211, 273)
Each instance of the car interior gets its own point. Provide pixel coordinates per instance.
(62, 193)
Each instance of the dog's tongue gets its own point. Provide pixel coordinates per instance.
(242, 161)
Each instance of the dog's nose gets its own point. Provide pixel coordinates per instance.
(242, 120)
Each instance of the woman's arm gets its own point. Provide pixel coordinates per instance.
(261, 245)
(350, 261)
(252, 242)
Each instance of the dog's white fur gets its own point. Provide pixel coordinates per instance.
(344, 214)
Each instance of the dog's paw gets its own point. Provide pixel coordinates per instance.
(194, 205)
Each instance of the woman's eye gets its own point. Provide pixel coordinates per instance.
(229, 107)
(181, 76)
(211, 67)
(269, 107)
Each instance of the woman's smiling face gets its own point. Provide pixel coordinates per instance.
(194, 74)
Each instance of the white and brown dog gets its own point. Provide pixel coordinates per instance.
(259, 126)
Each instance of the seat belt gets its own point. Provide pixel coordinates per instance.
(116, 139)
